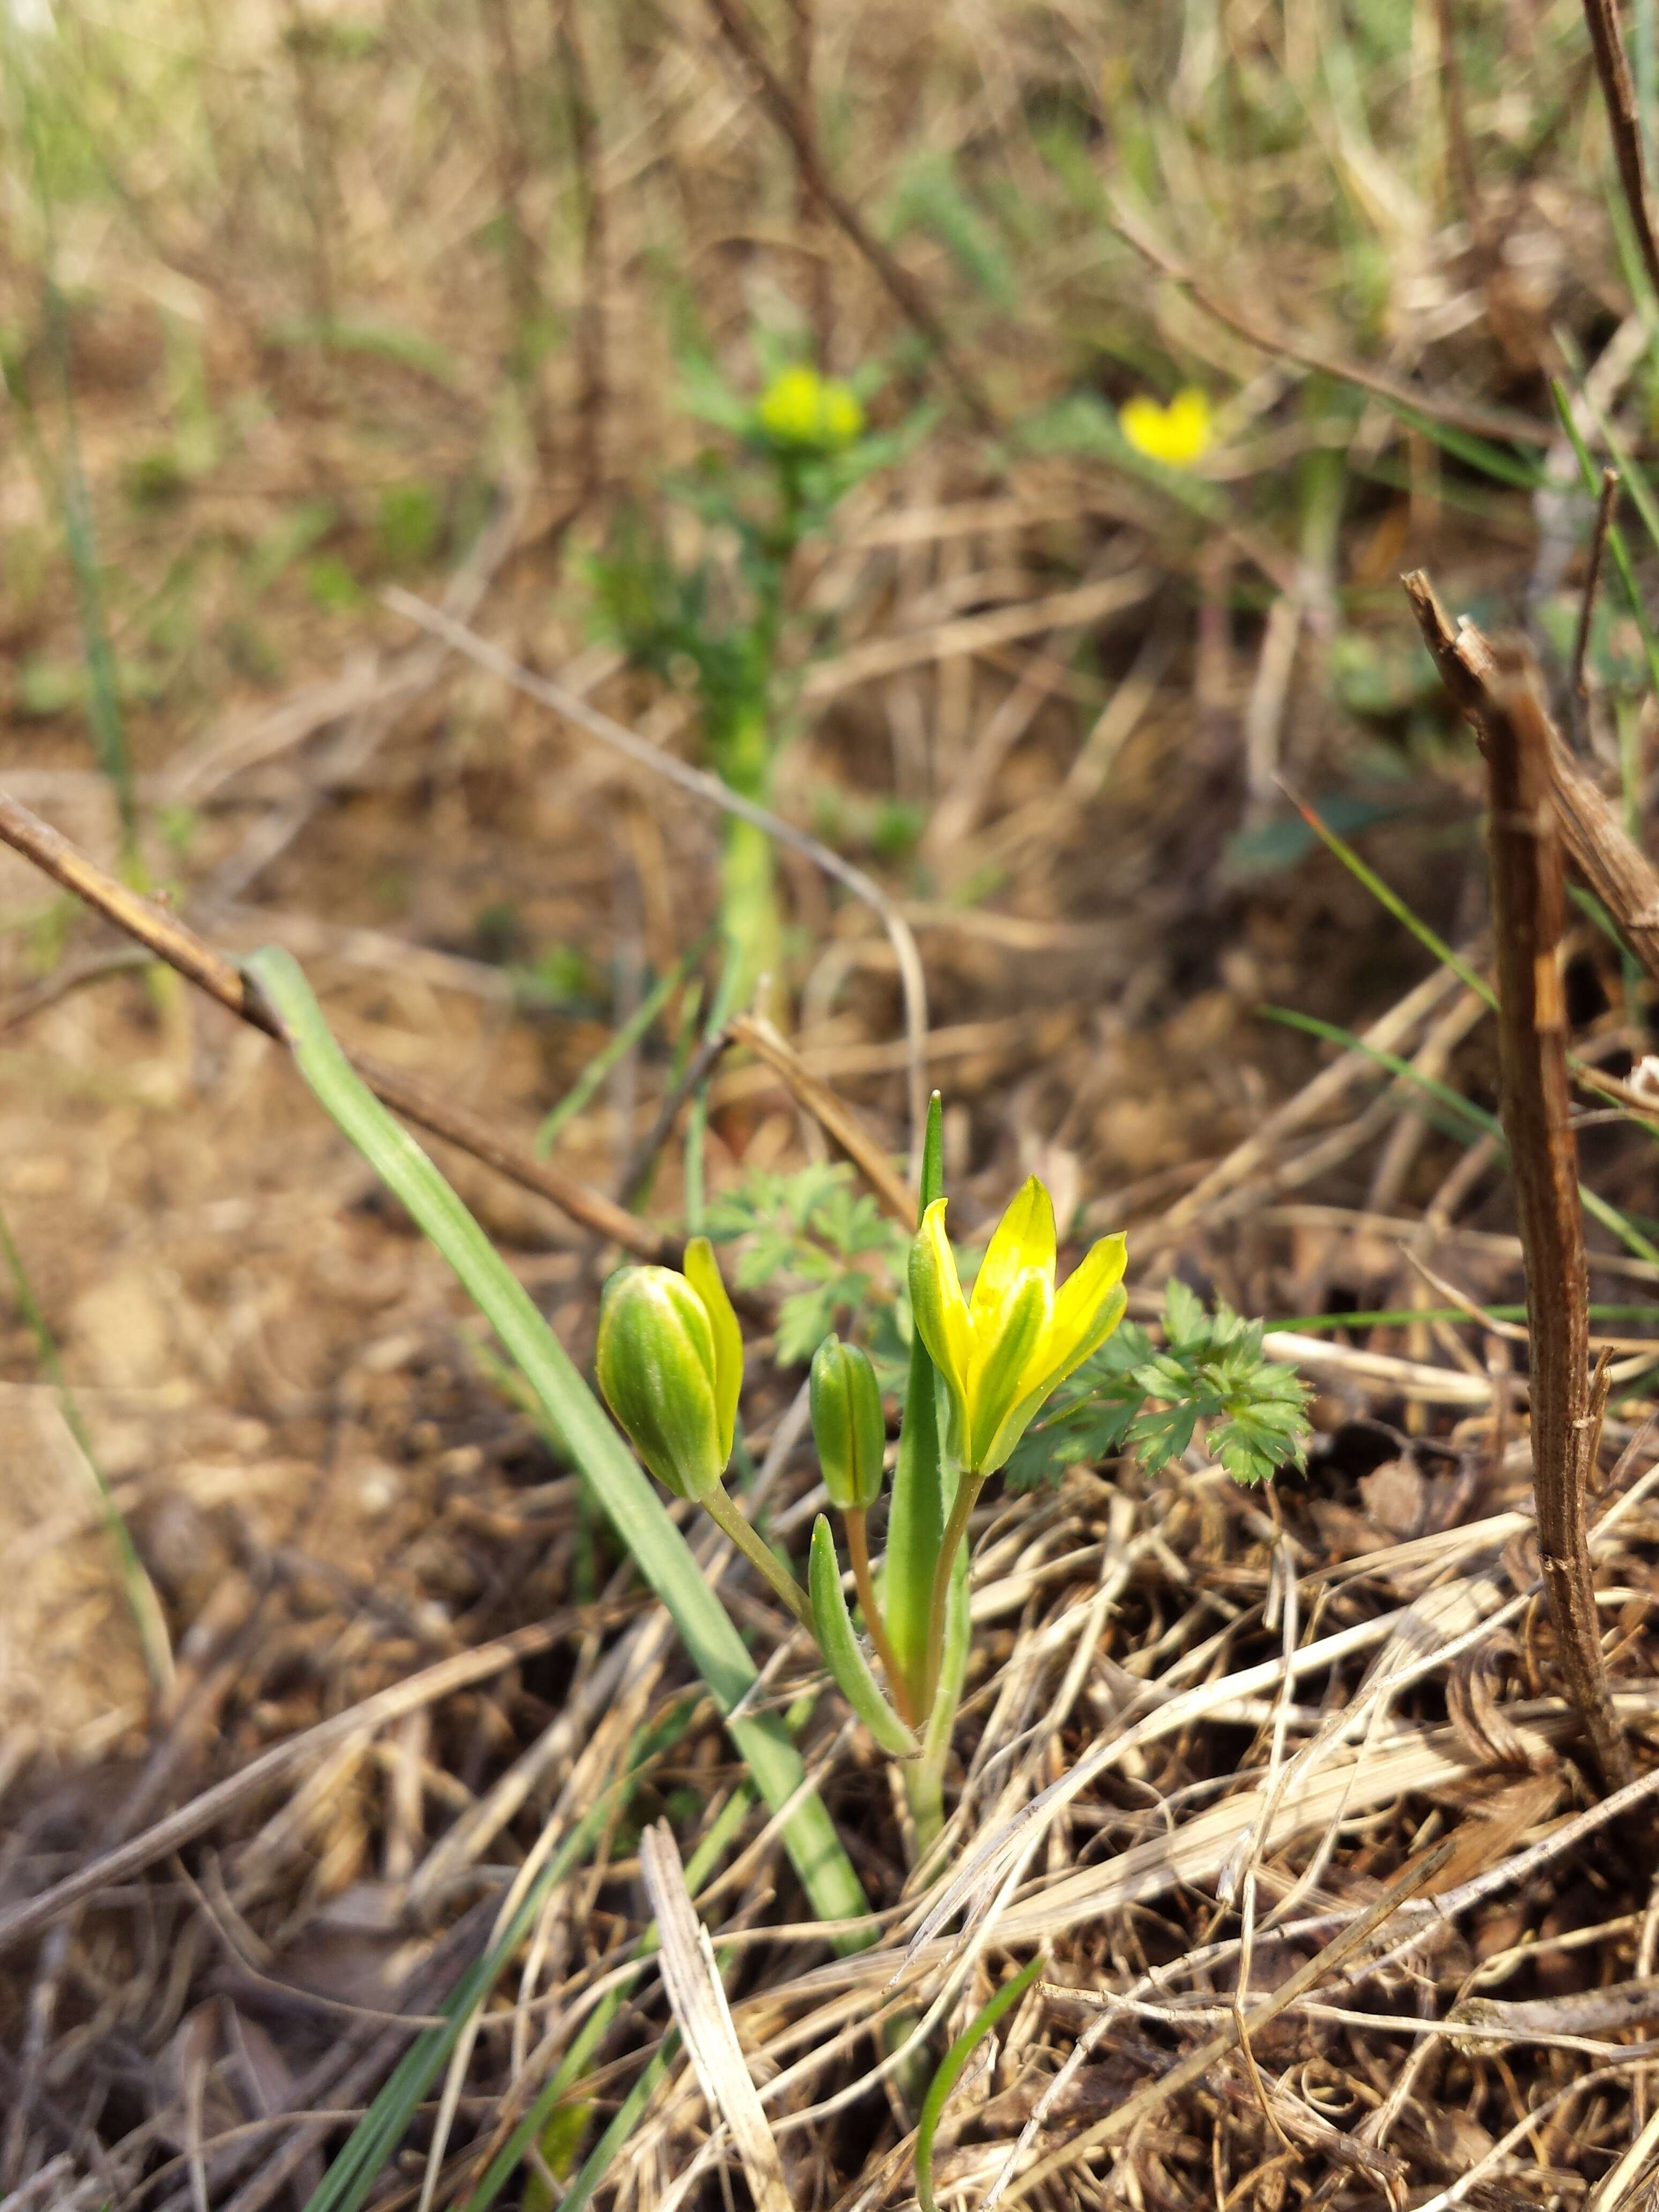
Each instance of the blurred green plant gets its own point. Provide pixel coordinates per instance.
(717, 623)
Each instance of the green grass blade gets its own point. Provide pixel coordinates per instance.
(566, 2075)
(1475, 1117)
(1402, 1317)
(915, 1526)
(832, 1625)
(377, 2135)
(1388, 898)
(627, 1495)
(606, 1058)
(1616, 543)
(1491, 460)
(137, 1587)
(949, 2072)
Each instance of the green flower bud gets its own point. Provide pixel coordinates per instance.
(848, 1424)
(670, 1365)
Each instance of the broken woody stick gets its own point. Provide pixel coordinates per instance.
(1496, 688)
(199, 962)
(1600, 849)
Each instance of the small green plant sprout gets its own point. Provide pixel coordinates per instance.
(838, 1259)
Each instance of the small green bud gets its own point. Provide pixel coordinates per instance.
(847, 1424)
(670, 1365)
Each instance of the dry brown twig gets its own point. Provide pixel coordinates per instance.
(837, 1120)
(1529, 898)
(1191, 2069)
(1619, 91)
(1604, 506)
(1525, 762)
(197, 961)
(1607, 858)
(907, 295)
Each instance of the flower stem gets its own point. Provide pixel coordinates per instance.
(730, 1522)
(857, 1544)
(968, 1489)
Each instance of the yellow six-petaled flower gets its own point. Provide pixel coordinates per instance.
(1004, 1349)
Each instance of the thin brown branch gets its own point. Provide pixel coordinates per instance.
(1619, 91)
(200, 963)
(1604, 508)
(797, 127)
(1602, 851)
(1528, 899)
(837, 1120)
(1269, 337)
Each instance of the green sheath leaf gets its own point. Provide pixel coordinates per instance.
(839, 1643)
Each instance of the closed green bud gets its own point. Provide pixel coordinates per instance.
(670, 1365)
(848, 1424)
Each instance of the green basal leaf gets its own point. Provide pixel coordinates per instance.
(842, 1654)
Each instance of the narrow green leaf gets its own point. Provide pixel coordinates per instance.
(1464, 1110)
(377, 2135)
(1388, 897)
(634, 1509)
(832, 1625)
(916, 1526)
(950, 2073)
(615, 1046)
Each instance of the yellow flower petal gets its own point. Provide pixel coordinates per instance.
(702, 1273)
(1002, 1358)
(1024, 1239)
(941, 1311)
(1083, 1311)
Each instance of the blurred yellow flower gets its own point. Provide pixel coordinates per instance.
(810, 412)
(1179, 434)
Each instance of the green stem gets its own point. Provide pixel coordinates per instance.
(925, 1777)
(731, 1523)
(968, 1489)
(857, 1544)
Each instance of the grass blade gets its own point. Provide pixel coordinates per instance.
(137, 1587)
(1474, 1117)
(612, 1050)
(637, 1513)
(949, 2072)
(832, 1627)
